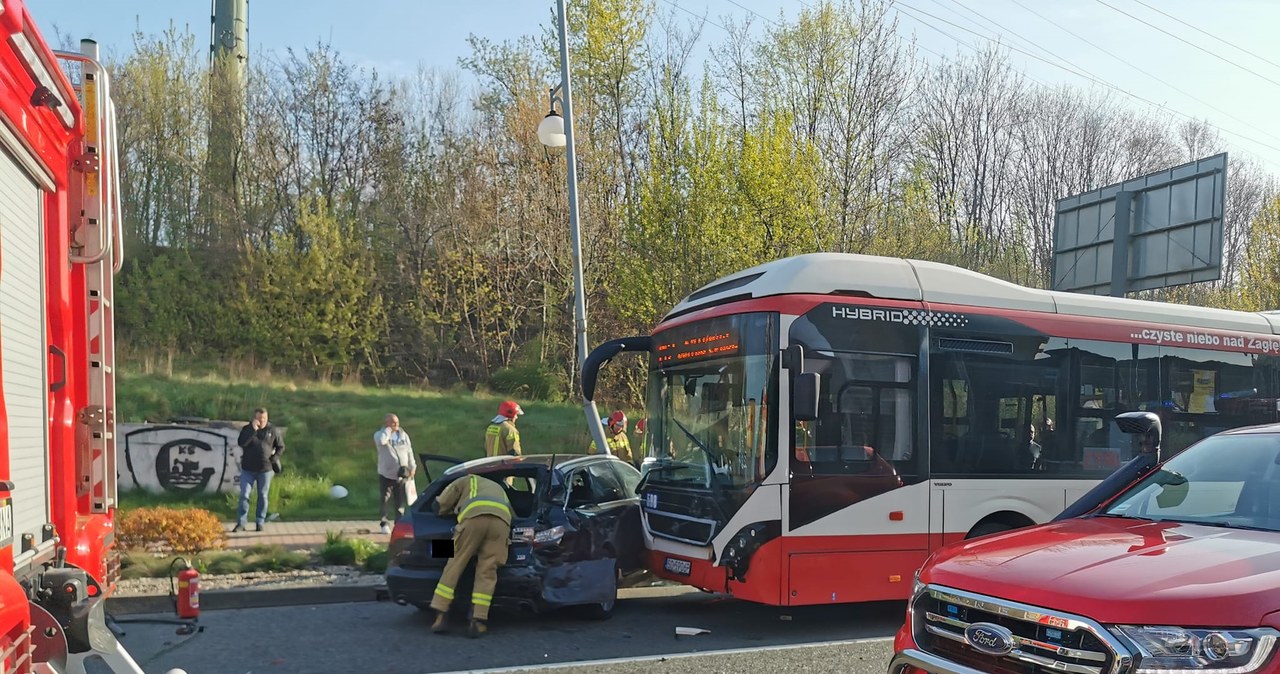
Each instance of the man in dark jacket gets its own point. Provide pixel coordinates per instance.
(261, 447)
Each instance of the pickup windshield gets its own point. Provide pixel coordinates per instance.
(1226, 481)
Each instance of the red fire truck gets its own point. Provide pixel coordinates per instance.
(60, 244)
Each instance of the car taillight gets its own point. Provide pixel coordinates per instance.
(402, 530)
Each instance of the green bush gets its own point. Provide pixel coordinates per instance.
(338, 550)
(224, 564)
(274, 558)
(533, 381)
(140, 564)
(377, 562)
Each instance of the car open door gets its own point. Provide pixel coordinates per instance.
(425, 461)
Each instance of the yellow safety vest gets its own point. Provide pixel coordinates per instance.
(501, 438)
(473, 496)
(619, 446)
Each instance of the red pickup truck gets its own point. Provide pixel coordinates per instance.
(1177, 572)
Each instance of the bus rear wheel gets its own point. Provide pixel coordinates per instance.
(988, 528)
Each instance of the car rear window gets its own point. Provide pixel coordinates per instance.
(522, 491)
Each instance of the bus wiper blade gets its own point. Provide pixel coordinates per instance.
(672, 465)
(705, 450)
(663, 465)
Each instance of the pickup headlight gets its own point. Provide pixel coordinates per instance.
(917, 587)
(1171, 650)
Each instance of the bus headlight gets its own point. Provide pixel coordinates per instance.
(1171, 650)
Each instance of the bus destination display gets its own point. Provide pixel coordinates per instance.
(695, 347)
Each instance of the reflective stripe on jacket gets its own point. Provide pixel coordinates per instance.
(472, 496)
(501, 438)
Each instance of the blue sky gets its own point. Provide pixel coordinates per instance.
(396, 36)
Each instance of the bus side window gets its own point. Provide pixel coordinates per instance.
(866, 416)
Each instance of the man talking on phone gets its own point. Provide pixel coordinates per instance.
(261, 447)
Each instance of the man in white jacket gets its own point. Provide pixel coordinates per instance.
(396, 468)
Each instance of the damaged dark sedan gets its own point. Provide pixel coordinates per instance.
(575, 532)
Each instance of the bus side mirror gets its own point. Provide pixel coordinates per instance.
(793, 358)
(804, 396)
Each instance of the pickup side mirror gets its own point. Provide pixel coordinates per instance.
(1145, 424)
(804, 396)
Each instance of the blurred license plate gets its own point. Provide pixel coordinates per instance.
(442, 548)
(680, 567)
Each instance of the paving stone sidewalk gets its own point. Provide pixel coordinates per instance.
(302, 535)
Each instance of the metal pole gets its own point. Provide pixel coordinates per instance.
(1120, 245)
(594, 427)
(580, 301)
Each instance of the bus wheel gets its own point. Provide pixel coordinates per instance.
(988, 528)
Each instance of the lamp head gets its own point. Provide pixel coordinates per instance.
(551, 130)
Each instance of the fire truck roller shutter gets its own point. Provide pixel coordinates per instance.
(22, 347)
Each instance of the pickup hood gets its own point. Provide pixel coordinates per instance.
(1124, 571)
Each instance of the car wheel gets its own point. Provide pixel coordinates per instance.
(601, 611)
(604, 609)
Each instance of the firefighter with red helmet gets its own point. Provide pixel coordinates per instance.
(615, 436)
(502, 437)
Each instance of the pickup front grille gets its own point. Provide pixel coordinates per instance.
(948, 623)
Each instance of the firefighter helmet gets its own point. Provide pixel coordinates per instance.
(509, 409)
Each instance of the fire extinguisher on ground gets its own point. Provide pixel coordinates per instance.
(188, 597)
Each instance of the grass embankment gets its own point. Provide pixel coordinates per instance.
(329, 435)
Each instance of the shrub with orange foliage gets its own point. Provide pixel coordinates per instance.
(161, 529)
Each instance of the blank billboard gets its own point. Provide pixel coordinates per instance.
(1169, 231)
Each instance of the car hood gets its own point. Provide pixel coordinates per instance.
(1123, 571)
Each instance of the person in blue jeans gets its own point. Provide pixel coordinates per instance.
(261, 447)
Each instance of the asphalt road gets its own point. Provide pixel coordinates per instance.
(382, 637)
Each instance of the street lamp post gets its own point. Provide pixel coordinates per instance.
(557, 131)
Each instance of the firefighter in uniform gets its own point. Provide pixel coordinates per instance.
(483, 531)
(616, 436)
(501, 437)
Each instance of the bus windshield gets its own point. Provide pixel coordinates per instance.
(712, 393)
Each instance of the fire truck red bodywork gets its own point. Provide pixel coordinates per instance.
(45, 133)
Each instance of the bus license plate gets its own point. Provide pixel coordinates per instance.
(680, 567)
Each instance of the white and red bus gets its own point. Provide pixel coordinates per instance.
(819, 424)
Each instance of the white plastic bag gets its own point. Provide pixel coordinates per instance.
(410, 487)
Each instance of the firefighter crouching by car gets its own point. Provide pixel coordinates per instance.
(483, 531)
(615, 437)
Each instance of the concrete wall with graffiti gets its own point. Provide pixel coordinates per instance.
(180, 457)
